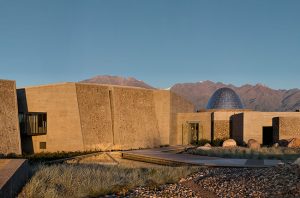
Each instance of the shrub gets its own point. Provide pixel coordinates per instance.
(217, 142)
(201, 142)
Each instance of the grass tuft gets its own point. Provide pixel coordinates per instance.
(91, 180)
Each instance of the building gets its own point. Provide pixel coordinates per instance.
(80, 116)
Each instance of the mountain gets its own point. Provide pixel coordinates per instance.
(257, 97)
(116, 80)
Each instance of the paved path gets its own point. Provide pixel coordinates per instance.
(166, 156)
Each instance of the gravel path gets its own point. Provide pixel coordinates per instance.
(281, 181)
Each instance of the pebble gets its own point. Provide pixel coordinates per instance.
(281, 181)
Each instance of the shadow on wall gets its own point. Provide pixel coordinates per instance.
(26, 141)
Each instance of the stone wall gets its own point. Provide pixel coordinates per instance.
(9, 124)
(135, 122)
(95, 116)
(162, 110)
(221, 123)
(286, 127)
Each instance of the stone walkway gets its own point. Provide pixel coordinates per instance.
(168, 156)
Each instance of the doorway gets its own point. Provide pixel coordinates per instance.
(190, 133)
(267, 135)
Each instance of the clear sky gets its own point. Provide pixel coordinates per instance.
(159, 41)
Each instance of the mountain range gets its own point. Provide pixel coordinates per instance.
(257, 97)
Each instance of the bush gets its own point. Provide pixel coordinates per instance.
(280, 153)
(201, 142)
(217, 142)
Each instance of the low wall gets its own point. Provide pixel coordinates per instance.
(13, 175)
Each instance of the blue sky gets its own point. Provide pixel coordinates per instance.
(159, 41)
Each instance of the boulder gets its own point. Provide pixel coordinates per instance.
(294, 143)
(297, 161)
(253, 144)
(229, 143)
(207, 145)
(203, 148)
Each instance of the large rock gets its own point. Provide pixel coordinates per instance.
(253, 144)
(294, 143)
(297, 161)
(207, 145)
(229, 143)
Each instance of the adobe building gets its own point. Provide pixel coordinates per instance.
(81, 116)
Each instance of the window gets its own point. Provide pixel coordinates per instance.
(42, 145)
(33, 123)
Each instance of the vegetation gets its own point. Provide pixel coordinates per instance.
(47, 156)
(90, 180)
(215, 142)
(281, 153)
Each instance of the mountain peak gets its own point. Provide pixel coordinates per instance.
(117, 80)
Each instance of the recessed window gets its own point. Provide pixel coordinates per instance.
(42, 145)
(33, 123)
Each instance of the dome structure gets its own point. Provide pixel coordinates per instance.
(224, 98)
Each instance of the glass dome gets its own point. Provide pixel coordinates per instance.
(224, 98)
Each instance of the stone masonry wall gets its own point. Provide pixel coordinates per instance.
(289, 127)
(95, 116)
(9, 124)
(135, 122)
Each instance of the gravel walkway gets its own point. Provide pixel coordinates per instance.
(281, 181)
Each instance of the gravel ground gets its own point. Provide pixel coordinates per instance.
(281, 181)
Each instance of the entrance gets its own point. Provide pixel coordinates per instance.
(267, 135)
(190, 133)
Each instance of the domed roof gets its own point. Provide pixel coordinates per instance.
(224, 98)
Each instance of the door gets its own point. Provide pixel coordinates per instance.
(267, 135)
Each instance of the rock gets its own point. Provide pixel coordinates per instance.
(297, 161)
(204, 148)
(253, 144)
(229, 143)
(207, 145)
(294, 143)
(276, 145)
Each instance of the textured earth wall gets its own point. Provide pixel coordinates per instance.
(289, 127)
(162, 109)
(9, 124)
(135, 122)
(95, 116)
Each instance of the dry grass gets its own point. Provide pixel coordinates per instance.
(88, 180)
(281, 153)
